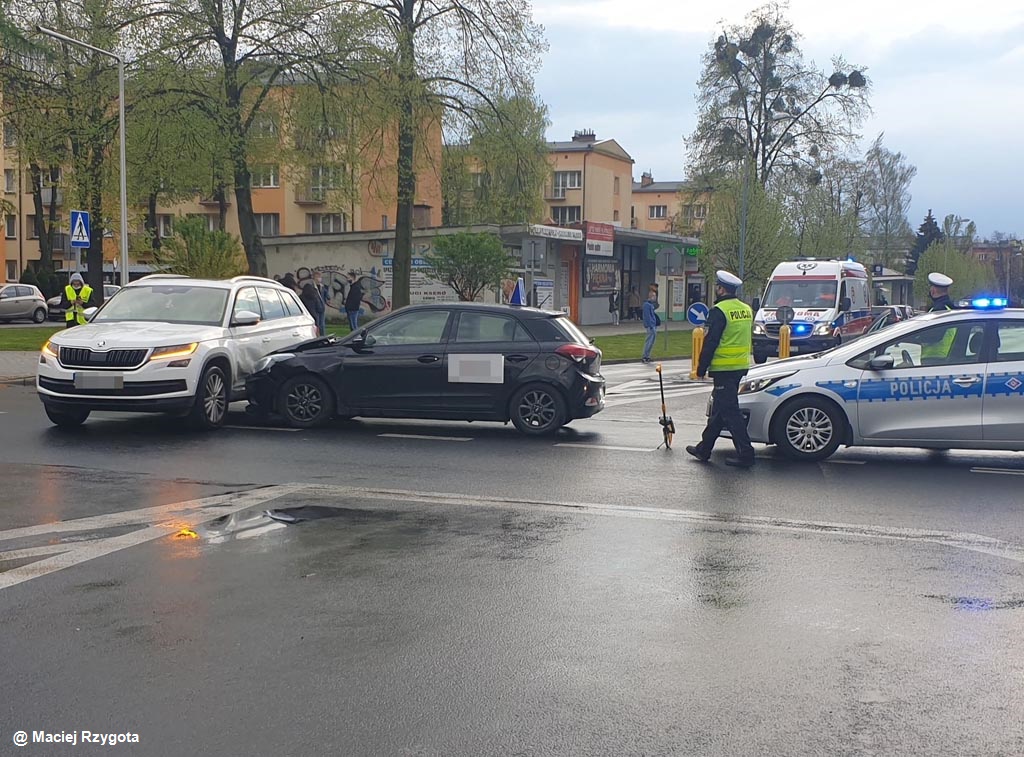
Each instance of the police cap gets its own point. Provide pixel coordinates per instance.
(727, 280)
(940, 280)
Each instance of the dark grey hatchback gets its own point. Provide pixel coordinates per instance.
(451, 361)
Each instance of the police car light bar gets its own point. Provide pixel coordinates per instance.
(989, 303)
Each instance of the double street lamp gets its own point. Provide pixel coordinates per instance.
(120, 114)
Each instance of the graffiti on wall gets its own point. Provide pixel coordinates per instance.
(334, 278)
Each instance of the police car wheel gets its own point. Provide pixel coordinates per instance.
(808, 429)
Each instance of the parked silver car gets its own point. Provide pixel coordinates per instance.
(21, 302)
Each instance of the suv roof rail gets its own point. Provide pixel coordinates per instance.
(250, 277)
(164, 276)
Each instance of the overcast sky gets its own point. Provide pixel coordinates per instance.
(947, 85)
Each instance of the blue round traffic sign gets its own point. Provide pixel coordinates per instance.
(697, 314)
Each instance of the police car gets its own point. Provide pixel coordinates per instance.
(951, 379)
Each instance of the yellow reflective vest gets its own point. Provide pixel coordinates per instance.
(77, 312)
(734, 350)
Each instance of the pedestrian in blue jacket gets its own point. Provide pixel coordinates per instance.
(651, 323)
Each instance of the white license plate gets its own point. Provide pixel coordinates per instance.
(99, 381)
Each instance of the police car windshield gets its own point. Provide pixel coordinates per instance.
(801, 294)
(165, 303)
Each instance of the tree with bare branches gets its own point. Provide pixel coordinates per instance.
(763, 108)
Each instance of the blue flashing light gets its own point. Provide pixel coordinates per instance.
(988, 303)
(801, 328)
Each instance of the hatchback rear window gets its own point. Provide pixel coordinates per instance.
(557, 329)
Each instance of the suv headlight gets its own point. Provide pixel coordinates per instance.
(759, 329)
(49, 348)
(265, 362)
(823, 329)
(174, 351)
(759, 384)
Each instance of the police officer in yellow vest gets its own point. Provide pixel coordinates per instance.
(726, 356)
(77, 293)
(936, 352)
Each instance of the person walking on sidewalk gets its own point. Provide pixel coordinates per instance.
(726, 356)
(651, 323)
(613, 306)
(633, 303)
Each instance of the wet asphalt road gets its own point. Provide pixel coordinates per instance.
(503, 595)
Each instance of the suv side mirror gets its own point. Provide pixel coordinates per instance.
(881, 363)
(245, 318)
(756, 304)
(845, 305)
(88, 313)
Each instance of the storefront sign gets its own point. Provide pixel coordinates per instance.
(556, 232)
(600, 238)
(601, 276)
(545, 290)
(422, 288)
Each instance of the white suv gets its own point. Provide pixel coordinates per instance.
(169, 344)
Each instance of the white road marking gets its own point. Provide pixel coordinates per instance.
(655, 395)
(605, 446)
(429, 437)
(263, 428)
(1003, 471)
(955, 539)
(163, 521)
(846, 462)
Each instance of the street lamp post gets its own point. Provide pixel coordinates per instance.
(120, 115)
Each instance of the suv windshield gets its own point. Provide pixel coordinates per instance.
(166, 303)
(801, 294)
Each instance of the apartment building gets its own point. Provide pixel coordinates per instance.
(669, 206)
(286, 201)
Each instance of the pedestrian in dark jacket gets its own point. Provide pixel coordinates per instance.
(353, 300)
(314, 303)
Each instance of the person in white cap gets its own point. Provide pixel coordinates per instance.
(938, 290)
(78, 294)
(726, 356)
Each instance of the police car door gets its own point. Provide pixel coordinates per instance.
(1003, 417)
(932, 393)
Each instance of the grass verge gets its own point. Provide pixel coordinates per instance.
(25, 340)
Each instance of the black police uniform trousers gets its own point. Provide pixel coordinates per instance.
(725, 414)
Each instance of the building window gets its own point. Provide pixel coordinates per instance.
(12, 270)
(421, 216)
(11, 227)
(268, 224)
(30, 224)
(263, 127)
(211, 221)
(657, 211)
(326, 223)
(10, 140)
(10, 180)
(565, 215)
(165, 225)
(56, 174)
(615, 185)
(700, 212)
(569, 179)
(384, 222)
(615, 215)
(265, 177)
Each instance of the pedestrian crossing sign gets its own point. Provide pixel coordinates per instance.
(79, 228)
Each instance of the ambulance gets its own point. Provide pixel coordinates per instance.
(830, 300)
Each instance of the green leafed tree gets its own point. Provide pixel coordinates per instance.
(195, 251)
(233, 61)
(886, 184)
(768, 240)
(928, 233)
(469, 263)
(497, 173)
(439, 60)
(760, 103)
(971, 277)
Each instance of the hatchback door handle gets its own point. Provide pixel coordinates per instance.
(428, 358)
(295, 333)
(517, 358)
(265, 339)
(966, 380)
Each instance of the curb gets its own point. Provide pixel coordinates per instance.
(18, 380)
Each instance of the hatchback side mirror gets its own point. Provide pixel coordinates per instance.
(362, 339)
(882, 363)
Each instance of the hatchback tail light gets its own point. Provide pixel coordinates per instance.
(579, 352)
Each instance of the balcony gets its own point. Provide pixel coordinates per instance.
(52, 196)
(310, 195)
(213, 201)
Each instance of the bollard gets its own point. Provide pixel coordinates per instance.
(698, 345)
(784, 332)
